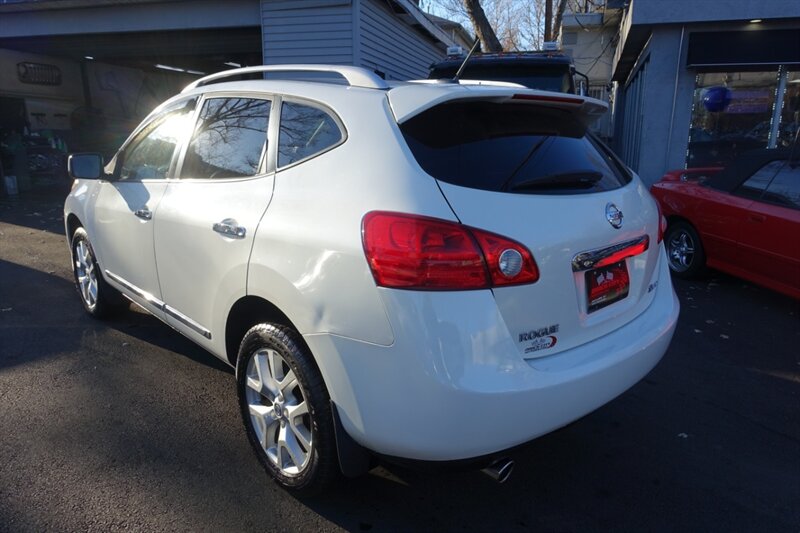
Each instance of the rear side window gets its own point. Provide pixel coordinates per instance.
(757, 183)
(785, 187)
(515, 148)
(229, 139)
(305, 132)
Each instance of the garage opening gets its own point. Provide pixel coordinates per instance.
(87, 92)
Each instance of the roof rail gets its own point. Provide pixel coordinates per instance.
(355, 76)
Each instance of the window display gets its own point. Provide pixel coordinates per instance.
(731, 113)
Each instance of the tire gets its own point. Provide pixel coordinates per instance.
(685, 253)
(99, 299)
(286, 409)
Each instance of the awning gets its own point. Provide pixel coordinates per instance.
(743, 48)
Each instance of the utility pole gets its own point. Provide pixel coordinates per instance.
(548, 20)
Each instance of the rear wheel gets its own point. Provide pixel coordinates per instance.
(684, 250)
(286, 409)
(98, 298)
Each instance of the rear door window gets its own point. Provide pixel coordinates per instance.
(516, 148)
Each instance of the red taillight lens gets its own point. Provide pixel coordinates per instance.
(421, 253)
(494, 246)
(415, 252)
(633, 250)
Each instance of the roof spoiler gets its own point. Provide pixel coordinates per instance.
(410, 100)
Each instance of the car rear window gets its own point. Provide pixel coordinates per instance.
(508, 147)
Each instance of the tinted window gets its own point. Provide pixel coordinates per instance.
(785, 187)
(755, 184)
(229, 139)
(305, 131)
(511, 147)
(149, 155)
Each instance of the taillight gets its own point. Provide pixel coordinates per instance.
(416, 252)
(662, 223)
(509, 262)
(639, 246)
(548, 98)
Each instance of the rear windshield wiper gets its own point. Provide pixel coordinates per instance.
(579, 179)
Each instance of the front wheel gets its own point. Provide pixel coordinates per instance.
(99, 299)
(286, 409)
(685, 251)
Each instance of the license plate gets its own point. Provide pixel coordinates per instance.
(607, 285)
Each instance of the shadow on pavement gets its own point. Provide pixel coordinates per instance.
(41, 317)
(39, 211)
(103, 426)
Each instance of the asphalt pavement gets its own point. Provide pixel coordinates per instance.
(126, 425)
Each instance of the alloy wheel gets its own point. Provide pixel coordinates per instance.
(279, 412)
(681, 251)
(85, 274)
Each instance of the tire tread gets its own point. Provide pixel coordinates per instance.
(324, 469)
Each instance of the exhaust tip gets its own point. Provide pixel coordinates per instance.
(500, 470)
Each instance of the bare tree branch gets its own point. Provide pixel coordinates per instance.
(517, 24)
(485, 32)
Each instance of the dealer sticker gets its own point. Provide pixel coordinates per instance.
(542, 343)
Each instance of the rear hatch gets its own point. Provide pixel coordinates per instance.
(522, 164)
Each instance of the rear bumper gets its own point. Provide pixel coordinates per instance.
(453, 385)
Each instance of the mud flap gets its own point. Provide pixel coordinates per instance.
(354, 459)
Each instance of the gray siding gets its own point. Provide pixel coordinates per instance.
(654, 134)
(307, 31)
(389, 45)
(130, 17)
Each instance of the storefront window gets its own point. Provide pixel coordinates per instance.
(731, 113)
(790, 110)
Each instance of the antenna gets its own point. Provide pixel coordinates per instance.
(464, 64)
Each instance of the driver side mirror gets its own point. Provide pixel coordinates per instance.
(87, 166)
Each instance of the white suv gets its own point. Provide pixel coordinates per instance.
(418, 271)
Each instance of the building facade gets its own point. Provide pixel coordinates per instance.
(699, 82)
(80, 74)
(590, 39)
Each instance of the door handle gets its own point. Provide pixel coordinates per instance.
(143, 213)
(230, 228)
(753, 217)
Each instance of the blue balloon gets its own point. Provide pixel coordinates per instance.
(716, 98)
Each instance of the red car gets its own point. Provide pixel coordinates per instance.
(743, 219)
